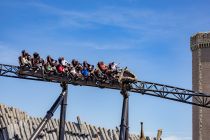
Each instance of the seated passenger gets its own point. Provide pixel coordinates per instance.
(74, 63)
(64, 62)
(85, 72)
(85, 64)
(91, 70)
(99, 75)
(49, 59)
(24, 59)
(60, 68)
(72, 70)
(113, 66)
(37, 62)
(102, 66)
(48, 67)
(88, 66)
(77, 65)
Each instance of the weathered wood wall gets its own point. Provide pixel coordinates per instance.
(17, 125)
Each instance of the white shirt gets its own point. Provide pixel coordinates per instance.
(64, 62)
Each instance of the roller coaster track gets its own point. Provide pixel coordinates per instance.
(142, 87)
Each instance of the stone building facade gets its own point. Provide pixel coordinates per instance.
(200, 46)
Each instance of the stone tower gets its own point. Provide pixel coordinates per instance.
(200, 46)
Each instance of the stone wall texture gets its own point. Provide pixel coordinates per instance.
(200, 46)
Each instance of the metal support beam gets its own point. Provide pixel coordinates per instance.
(63, 114)
(50, 113)
(127, 117)
(124, 128)
(146, 88)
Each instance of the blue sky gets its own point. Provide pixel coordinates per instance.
(150, 37)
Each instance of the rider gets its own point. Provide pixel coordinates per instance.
(24, 59)
(64, 62)
(113, 66)
(60, 67)
(85, 72)
(49, 67)
(37, 62)
(102, 66)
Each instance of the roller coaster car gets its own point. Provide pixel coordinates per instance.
(126, 76)
(123, 75)
(26, 71)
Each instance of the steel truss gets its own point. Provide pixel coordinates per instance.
(145, 88)
(142, 87)
(171, 93)
(62, 101)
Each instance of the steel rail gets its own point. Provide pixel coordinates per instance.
(142, 87)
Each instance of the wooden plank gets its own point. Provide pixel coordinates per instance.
(106, 134)
(44, 138)
(3, 110)
(26, 129)
(12, 119)
(25, 116)
(17, 130)
(115, 135)
(10, 130)
(30, 125)
(7, 112)
(85, 129)
(102, 134)
(51, 136)
(18, 114)
(54, 135)
(9, 119)
(66, 136)
(40, 120)
(74, 137)
(55, 126)
(22, 132)
(36, 121)
(88, 131)
(93, 131)
(77, 137)
(110, 134)
(51, 126)
(72, 128)
(3, 124)
(70, 137)
(5, 120)
(14, 114)
(68, 128)
(1, 113)
(76, 128)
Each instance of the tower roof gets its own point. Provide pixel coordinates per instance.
(200, 40)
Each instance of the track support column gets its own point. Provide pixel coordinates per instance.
(61, 100)
(63, 114)
(124, 126)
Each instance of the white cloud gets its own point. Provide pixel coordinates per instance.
(131, 19)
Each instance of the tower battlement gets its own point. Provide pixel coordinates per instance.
(200, 46)
(200, 40)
